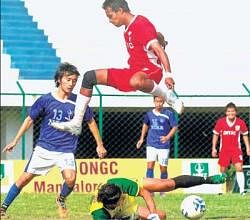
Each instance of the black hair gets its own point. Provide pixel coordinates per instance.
(65, 68)
(115, 5)
(161, 40)
(156, 96)
(231, 105)
(109, 194)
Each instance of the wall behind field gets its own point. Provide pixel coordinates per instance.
(209, 44)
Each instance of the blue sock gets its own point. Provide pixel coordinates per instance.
(12, 194)
(164, 175)
(150, 173)
(66, 190)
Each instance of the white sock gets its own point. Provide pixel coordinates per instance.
(157, 91)
(162, 90)
(241, 180)
(80, 108)
(162, 82)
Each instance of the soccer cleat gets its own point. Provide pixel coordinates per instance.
(174, 102)
(178, 106)
(67, 126)
(170, 97)
(243, 193)
(62, 210)
(3, 213)
(218, 179)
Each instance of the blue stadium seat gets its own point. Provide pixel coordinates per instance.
(28, 46)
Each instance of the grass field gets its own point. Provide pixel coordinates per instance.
(42, 206)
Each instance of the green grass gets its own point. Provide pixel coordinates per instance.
(42, 206)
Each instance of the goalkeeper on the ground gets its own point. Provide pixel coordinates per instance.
(116, 198)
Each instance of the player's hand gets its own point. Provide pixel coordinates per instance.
(214, 153)
(164, 139)
(9, 147)
(248, 152)
(169, 81)
(139, 143)
(101, 151)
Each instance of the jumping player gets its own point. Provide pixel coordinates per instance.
(116, 198)
(53, 147)
(229, 128)
(149, 68)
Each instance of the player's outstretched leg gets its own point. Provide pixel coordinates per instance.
(183, 181)
(74, 126)
(186, 181)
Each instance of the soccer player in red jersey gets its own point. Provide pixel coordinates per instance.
(149, 68)
(229, 128)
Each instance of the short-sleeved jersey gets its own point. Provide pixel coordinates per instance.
(127, 205)
(51, 109)
(159, 124)
(139, 34)
(230, 133)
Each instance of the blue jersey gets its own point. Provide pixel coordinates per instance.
(159, 124)
(52, 109)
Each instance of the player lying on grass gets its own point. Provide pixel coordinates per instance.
(116, 198)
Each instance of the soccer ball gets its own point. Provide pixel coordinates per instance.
(193, 207)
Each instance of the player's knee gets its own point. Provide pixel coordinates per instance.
(70, 178)
(89, 79)
(136, 83)
(238, 167)
(70, 182)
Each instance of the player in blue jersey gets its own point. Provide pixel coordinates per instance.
(53, 147)
(160, 125)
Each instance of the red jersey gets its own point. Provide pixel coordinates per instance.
(139, 34)
(230, 133)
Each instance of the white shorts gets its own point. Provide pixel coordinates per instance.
(42, 161)
(160, 155)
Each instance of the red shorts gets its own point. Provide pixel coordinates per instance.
(225, 157)
(120, 78)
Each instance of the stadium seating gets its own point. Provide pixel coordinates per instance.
(27, 45)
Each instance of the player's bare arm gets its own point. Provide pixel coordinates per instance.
(246, 141)
(171, 133)
(163, 57)
(24, 127)
(146, 195)
(143, 134)
(214, 143)
(100, 149)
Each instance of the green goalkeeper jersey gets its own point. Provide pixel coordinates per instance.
(127, 206)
